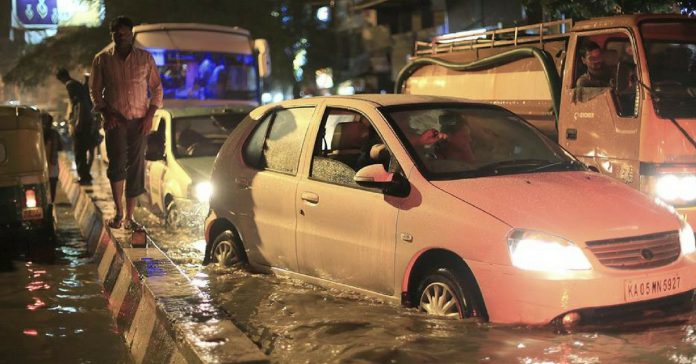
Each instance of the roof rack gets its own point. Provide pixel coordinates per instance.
(460, 41)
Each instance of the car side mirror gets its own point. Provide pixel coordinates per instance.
(375, 176)
(155, 147)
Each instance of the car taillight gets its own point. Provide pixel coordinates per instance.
(30, 198)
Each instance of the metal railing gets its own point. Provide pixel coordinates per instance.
(461, 41)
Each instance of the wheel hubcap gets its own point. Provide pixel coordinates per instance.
(224, 253)
(173, 217)
(439, 300)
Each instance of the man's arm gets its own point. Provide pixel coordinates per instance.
(96, 93)
(96, 85)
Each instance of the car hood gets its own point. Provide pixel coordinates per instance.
(197, 168)
(580, 206)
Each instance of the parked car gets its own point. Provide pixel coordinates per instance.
(180, 153)
(26, 212)
(461, 209)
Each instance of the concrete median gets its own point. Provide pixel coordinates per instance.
(163, 317)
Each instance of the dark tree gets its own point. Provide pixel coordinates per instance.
(583, 9)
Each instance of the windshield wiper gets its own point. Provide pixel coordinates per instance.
(515, 164)
(670, 118)
(559, 165)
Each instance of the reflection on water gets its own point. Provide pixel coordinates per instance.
(57, 313)
(296, 322)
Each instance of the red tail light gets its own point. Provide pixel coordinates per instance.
(30, 198)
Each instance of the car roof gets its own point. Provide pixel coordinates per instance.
(395, 99)
(19, 117)
(201, 111)
(377, 100)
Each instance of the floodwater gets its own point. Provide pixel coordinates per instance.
(295, 322)
(57, 313)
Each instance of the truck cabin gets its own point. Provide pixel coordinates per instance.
(653, 52)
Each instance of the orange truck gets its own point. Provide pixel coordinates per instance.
(634, 120)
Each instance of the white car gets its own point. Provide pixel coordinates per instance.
(181, 149)
(458, 208)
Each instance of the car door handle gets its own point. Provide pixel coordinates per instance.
(310, 197)
(571, 134)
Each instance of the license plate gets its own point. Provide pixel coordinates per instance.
(32, 214)
(651, 287)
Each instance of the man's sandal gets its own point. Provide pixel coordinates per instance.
(115, 222)
(133, 225)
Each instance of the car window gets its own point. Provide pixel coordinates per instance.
(202, 136)
(462, 141)
(277, 141)
(346, 142)
(3, 154)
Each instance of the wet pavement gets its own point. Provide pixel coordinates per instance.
(57, 313)
(295, 322)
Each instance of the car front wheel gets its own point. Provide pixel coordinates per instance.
(227, 251)
(444, 293)
(172, 215)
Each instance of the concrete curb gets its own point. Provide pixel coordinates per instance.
(163, 317)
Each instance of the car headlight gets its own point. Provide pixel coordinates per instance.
(676, 187)
(533, 250)
(686, 238)
(203, 191)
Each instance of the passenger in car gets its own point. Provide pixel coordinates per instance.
(457, 144)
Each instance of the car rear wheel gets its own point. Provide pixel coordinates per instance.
(445, 293)
(227, 251)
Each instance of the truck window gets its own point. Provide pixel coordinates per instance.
(606, 63)
(670, 49)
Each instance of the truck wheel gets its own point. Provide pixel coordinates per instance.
(227, 251)
(445, 293)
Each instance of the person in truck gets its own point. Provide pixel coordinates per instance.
(597, 74)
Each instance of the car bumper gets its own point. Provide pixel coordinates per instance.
(514, 296)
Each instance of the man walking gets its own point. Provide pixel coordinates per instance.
(85, 131)
(122, 75)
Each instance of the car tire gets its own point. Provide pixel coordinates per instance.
(447, 293)
(227, 251)
(172, 217)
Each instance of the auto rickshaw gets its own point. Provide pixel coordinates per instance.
(27, 219)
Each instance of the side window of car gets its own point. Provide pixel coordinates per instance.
(276, 143)
(346, 142)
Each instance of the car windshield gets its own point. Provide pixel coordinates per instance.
(670, 49)
(202, 136)
(206, 75)
(464, 141)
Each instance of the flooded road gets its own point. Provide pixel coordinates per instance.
(295, 322)
(57, 313)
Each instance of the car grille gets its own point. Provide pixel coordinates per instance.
(638, 252)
